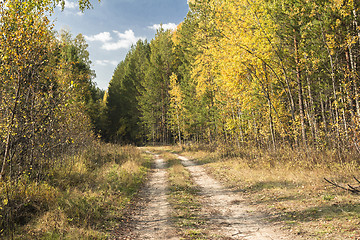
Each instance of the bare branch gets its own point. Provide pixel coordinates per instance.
(356, 179)
(350, 189)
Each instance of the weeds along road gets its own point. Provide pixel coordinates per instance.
(223, 213)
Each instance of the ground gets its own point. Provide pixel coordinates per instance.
(222, 213)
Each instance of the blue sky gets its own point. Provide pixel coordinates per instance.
(114, 25)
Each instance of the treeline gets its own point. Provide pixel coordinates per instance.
(48, 102)
(264, 73)
(48, 99)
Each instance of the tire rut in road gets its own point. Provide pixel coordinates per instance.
(226, 213)
(153, 221)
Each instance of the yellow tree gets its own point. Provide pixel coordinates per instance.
(40, 117)
(204, 68)
(25, 46)
(176, 110)
(237, 65)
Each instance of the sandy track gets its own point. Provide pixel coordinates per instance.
(226, 212)
(153, 220)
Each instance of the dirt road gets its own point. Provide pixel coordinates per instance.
(228, 216)
(153, 221)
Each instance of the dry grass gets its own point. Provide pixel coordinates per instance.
(291, 190)
(185, 201)
(84, 198)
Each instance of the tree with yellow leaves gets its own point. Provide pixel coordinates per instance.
(42, 99)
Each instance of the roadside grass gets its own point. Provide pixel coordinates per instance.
(290, 188)
(85, 197)
(185, 200)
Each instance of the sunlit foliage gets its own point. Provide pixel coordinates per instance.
(46, 98)
(260, 72)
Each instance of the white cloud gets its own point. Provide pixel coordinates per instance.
(122, 40)
(101, 37)
(106, 62)
(126, 39)
(167, 26)
(70, 4)
(71, 7)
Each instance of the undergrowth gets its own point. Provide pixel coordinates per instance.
(84, 197)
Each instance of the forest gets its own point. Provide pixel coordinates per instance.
(270, 75)
(235, 73)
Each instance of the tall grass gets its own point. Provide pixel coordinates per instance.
(283, 155)
(81, 198)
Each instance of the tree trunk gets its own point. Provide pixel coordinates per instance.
(312, 110)
(300, 90)
(336, 122)
(350, 80)
(236, 135)
(323, 115)
(9, 129)
(240, 129)
(179, 132)
(354, 77)
(266, 92)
